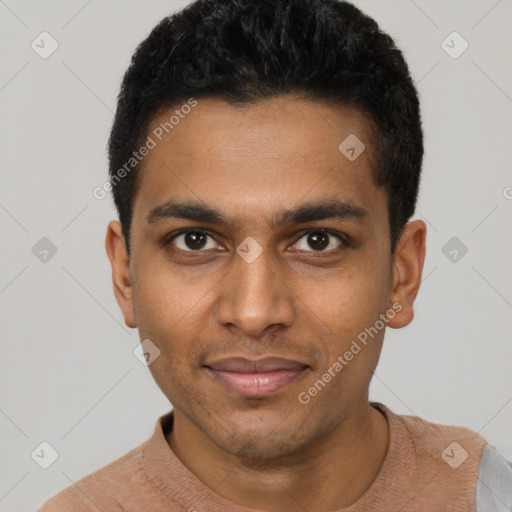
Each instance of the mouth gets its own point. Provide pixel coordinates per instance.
(256, 378)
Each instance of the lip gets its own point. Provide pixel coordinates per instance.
(255, 378)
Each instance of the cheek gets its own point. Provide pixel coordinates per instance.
(352, 301)
(165, 296)
(350, 307)
(175, 313)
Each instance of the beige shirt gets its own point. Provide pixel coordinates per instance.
(428, 467)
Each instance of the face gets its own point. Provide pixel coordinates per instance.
(284, 253)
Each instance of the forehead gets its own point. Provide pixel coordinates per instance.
(254, 159)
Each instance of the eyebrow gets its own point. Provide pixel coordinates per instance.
(309, 212)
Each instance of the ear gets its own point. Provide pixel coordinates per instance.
(407, 271)
(116, 250)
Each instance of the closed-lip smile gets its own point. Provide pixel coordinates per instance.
(255, 377)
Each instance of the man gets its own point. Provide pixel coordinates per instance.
(265, 160)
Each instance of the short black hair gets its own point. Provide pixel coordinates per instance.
(244, 51)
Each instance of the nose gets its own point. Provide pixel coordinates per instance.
(256, 296)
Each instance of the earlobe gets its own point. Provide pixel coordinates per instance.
(121, 280)
(407, 271)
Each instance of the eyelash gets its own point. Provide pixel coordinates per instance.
(344, 239)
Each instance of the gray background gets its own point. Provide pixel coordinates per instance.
(68, 374)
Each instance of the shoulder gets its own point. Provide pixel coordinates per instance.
(103, 489)
(481, 473)
(436, 441)
(494, 488)
(447, 441)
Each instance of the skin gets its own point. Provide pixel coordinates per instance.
(294, 301)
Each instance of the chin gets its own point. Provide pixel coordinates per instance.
(259, 448)
(260, 439)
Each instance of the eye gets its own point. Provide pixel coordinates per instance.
(192, 241)
(319, 240)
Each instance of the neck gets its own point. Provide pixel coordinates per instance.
(330, 474)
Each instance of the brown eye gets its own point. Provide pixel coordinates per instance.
(319, 241)
(193, 241)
